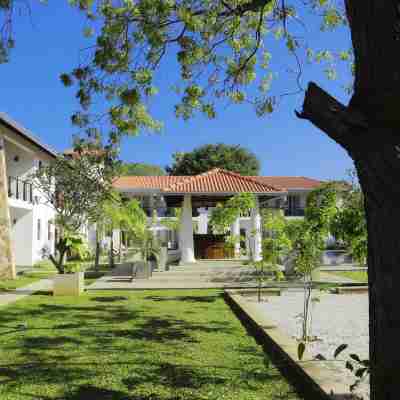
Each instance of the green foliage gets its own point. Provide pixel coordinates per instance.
(204, 158)
(173, 223)
(222, 50)
(321, 208)
(276, 243)
(141, 169)
(78, 248)
(350, 225)
(118, 213)
(308, 238)
(307, 246)
(75, 187)
(224, 215)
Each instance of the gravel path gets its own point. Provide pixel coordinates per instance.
(336, 319)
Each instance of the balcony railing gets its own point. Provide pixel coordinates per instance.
(19, 189)
(294, 212)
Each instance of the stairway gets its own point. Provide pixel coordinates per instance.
(199, 275)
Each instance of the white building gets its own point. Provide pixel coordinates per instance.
(197, 195)
(30, 217)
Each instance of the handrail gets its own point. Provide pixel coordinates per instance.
(20, 189)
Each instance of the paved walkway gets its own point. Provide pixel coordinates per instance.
(18, 294)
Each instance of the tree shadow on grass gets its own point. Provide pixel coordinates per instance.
(46, 342)
(173, 376)
(190, 299)
(164, 329)
(109, 299)
(89, 392)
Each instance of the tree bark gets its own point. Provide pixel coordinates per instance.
(97, 256)
(376, 154)
(369, 130)
(7, 261)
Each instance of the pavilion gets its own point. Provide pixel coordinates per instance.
(202, 191)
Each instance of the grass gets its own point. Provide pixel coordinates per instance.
(24, 279)
(147, 345)
(359, 276)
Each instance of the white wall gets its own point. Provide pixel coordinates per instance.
(21, 162)
(22, 235)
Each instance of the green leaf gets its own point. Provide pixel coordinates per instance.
(339, 349)
(349, 366)
(360, 372)
(355, 357)
(300, 350)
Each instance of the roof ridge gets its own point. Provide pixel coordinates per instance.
(252, 179)
(191, 178)
(214, 171)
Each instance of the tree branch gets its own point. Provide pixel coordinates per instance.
(340, 123)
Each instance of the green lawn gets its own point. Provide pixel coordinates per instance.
(25, 279)
(359, 276)
(148, 345)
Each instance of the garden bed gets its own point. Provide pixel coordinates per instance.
(335, 320)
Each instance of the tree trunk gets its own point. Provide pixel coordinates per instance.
(112, 262)
(7, 262)
(97, 256)
(369, 129)
(379, 177)
(377, 160)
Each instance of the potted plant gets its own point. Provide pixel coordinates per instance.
(71, 282)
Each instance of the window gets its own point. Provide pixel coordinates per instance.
(39, 228)
(49, 230)
(294, 207)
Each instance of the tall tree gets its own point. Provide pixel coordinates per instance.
(75, 187)
(202, 159)
(221, 47)
(141, 169)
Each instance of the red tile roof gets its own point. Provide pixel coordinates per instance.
(290, 182)
(220, 181)
(216, 181)
(146, 182)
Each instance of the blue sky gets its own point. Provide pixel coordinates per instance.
(48, 43)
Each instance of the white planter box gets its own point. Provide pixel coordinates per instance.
(68, 284)
(316, 274)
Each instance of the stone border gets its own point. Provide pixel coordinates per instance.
(317, 380)
(350, 290)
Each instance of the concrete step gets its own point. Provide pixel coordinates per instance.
(203, 273)
(208, 268)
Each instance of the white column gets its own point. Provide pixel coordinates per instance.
(256, 232)
(203, 221)
(235, 231)
(116, 238)
(186, 231)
